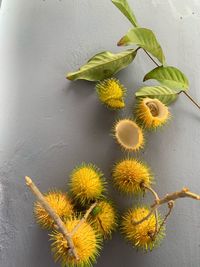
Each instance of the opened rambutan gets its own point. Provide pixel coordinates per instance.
(86, 241)
(59, 202)
(141, 235)
(151, 113)
(87, 183)
(111, 93)
(129, 135)
(104, 218)
(130, 176)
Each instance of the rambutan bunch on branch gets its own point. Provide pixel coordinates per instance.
(76, 236)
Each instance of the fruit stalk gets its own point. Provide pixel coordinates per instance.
(60, 225)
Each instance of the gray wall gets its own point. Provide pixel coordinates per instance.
(48, 124)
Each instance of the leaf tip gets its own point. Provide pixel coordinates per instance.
(69, 76)
(145, 78)
(121, 42)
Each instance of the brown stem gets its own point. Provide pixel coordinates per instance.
(155, 211)
(151, 58)
(60, 225)
(170, 206)
(145, 218)
(180, 194)
(156, 224)
(191, 99)
(151, 190)
(169, 198)
(83, 219)
(101, 225)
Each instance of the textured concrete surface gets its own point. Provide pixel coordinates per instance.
(48, 124)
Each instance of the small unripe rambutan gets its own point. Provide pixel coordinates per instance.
(141, 235)
(130, 174)
(151, 113)
(111, 93)
(86, 241)
(104, 218)
(60, 203)
(129, 135)
(87, 183)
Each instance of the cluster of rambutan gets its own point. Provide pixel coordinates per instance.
(150, 113)
(87, 186)
(131, 176)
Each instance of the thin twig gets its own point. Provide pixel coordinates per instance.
(169, 198)
(170, 206)
(151, 190)
(180, 194)
(153, 210)
(60, 225)
(151, 58)
(101, 225)
(83, 219)
(191, 99)
(182, 91)
(156, 211)
(145, 218)
(156, 224)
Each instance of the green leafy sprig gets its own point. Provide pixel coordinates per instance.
(106, 64)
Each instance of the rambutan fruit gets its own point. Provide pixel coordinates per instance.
(87, 183)
(141, 235)
(104, 218)
(87, 244)
(111, 93)
(59, 202)
(130, 176)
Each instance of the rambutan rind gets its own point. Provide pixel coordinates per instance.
(128, 134)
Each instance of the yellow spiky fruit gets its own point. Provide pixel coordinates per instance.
(61, 204)
(104, 218)
(129, 135)
(130, 176)
(87, 183)
(151, 113)
(111, 93)
(141, 235)
(86, 241)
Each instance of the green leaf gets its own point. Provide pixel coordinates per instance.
(146, 39)
(169, 76)
(163, 93)
(103, 65)
(124, 7)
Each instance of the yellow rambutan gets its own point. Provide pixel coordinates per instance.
(86, 241)
(151, 113)
(130, 174)
(129, 135)
(141, 235)
(104, 218)
(111, 93)
(60, 203)
(87, 183)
